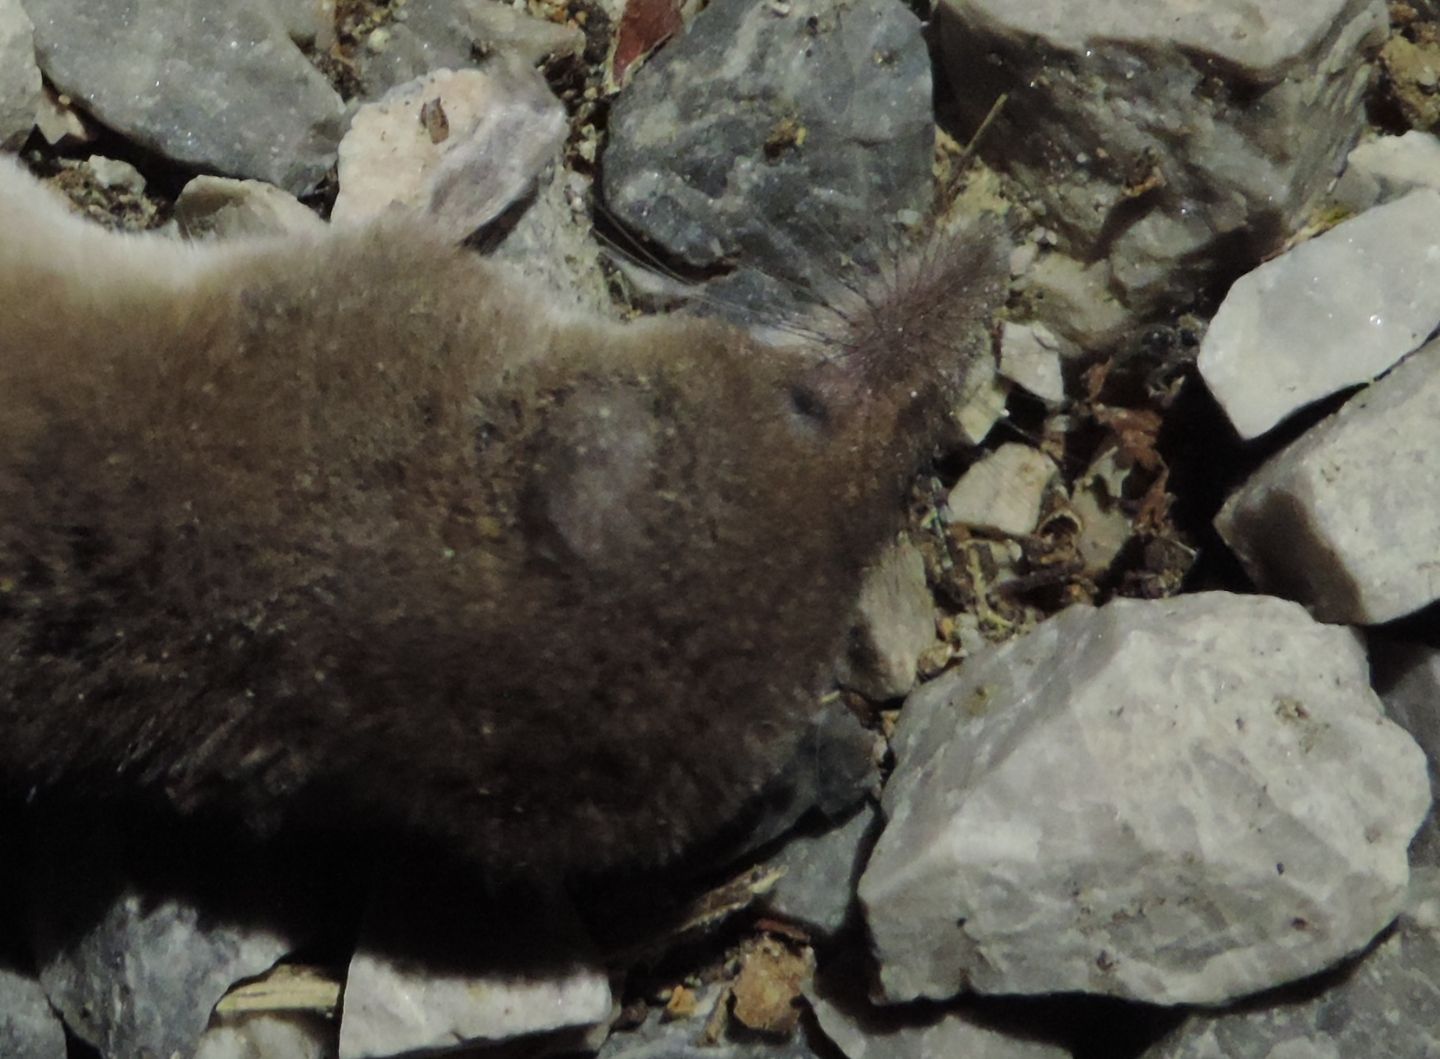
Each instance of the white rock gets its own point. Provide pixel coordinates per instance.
(1342, 519)
(1387, 167)
(1335, 311)
(1030, 357)
(227, 208)
(820, 871)
(114, 173)
(894, 624)
(454, 146)
(271, 1035)
(58, 120)
(934, 1035)
(1178, 801)
(982, 404)
(1003, 491)
(409, 1003)
(19, 76)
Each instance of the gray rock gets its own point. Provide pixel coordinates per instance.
(19, 76)
(454, 34)
(779, 136)
(225, 208)
(836, 765)
(931, 1035)
(29, 1029)
(1177, 801)
(422, 981)
(1335, 311)
(168, 75)
(1388, 1005)
(1003, 491)
(1340, 520)
(1270, 98)
(554, 244)
(1407, 676)
(141, 982)
(1387, 167)
(455, 147)
(982, 404)
(894, 624)
(820, 871)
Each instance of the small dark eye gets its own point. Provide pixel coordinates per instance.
(807, 404)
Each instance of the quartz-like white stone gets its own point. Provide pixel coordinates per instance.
(1341, 519)
(223, 207)
(1335, 311)
(456, 147)
(1178, 801)
(1030, 358)
(1003, 491)
(405, 991)
(1387, 167)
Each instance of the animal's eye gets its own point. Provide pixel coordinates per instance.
(809, 406)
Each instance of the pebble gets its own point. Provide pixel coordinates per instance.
(1003, 491)
(20, 94)
(1173, 801)
(1270, 96)
(226, 208)
(1386, 167)
(1030, 355)
(1335, 311)
(1389, 1005)
(29, 1029)
(1340, 520)
(455, 147)
(165, 74)
(733, 143)
(894, 624)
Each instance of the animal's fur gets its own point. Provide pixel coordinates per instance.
(355, 530)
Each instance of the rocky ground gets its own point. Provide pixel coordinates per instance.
(1130, 745)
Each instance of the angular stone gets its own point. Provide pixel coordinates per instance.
(1030, 357)
(894, 624)
(1341, 519)
(19, 76)
(29, 1029)
(225, 208)
(1270, 97)
(165, 74)
(779, 137)
(820, 871)
(1003, 491)
(1389, 1005)
(1388, 167)
(1407, 676)
(451, 34)
(930, 1035)
(1176, 801)
(269, 1035)
(419, 982)
(455, 147)
(144, 978)
(1335, 311)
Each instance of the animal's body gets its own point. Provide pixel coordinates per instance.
(355, 530)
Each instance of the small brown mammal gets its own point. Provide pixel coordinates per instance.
(356, 530)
